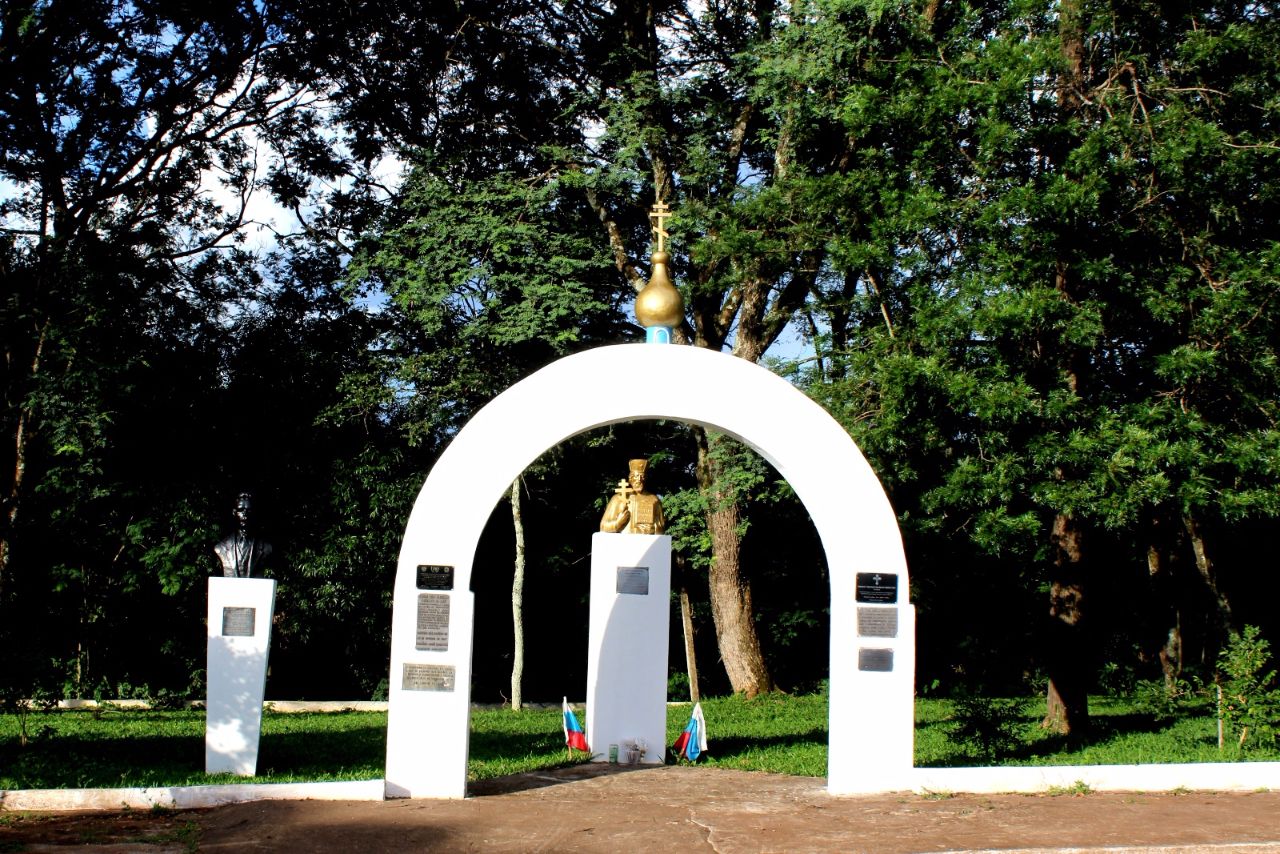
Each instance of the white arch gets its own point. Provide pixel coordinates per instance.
(871, 711)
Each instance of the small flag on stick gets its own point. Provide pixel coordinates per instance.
(693, 741)
(573, 735)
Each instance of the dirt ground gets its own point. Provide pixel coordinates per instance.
(603, 808)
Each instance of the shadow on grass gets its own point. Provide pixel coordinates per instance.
(493, 746)
(727, 747)
(1041, 744)
(70, 762)
(359, 750)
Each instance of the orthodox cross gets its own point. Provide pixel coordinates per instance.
(659, 213)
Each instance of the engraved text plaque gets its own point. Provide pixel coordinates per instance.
(880, 588)
(238, 622)
(428, 677)
(633, 580)
(877, 622)
(879, 660)
(432, 577)
(433, 622)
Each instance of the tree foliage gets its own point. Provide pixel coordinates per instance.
(1031, 246)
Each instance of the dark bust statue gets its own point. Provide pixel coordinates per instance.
(240, 553)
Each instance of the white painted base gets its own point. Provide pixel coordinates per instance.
(627, 648)
(1194, 776)
(871, 728)
(187, 797)
(237, 673)
(428, 731)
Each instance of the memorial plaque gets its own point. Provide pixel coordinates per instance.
(238, 622)
(433, 622)
(880, 588)
(879, 660)
(877, 622)
(428, 677)
(633, 580)
(432, 577)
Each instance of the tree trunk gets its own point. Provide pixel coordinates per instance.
(731, 606)
(517, 602)
(1204, 565)
(13, 495)
(1067, 699)
(686, 623)
(1163, 599)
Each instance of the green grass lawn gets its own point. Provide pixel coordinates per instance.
(777, 733)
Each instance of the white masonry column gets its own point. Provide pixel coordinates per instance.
(627, 645)
(239, 628)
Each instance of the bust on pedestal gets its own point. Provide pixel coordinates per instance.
(239, 637)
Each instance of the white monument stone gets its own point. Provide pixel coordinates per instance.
(239, 627)
(872, 670)
(627, 645)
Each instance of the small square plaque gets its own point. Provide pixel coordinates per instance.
(633, 580)
(878, 660)
(876, 622)
(880, 588)
(433, 622)
(238, 622)
(433, 577)
(428, 677)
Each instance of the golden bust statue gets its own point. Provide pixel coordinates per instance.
(632, 510)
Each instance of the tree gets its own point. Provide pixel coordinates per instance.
(1058, 253)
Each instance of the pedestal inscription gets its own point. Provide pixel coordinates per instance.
(880, 588)
(433, 622)
(877, 622)
(238, 622)
(428, 677)
(633, 580)
(878, 660)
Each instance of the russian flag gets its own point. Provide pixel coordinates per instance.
(573, 735)
(693, 741)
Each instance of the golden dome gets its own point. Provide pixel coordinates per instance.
(659, 303)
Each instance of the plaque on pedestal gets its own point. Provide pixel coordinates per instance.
(238, 622)
(432, 577)
(876, 622)
(428, 677)
(880, 588)
(633, 580)
(876, 660)
(433, 622)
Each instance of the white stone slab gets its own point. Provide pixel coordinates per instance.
(188, 797)
(627, 645)
(1193, 776)
(239, 640)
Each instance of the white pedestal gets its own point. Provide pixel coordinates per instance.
(428, 718)
(627, 644)
(239, 622)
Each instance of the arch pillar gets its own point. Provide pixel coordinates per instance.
(872, 675)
